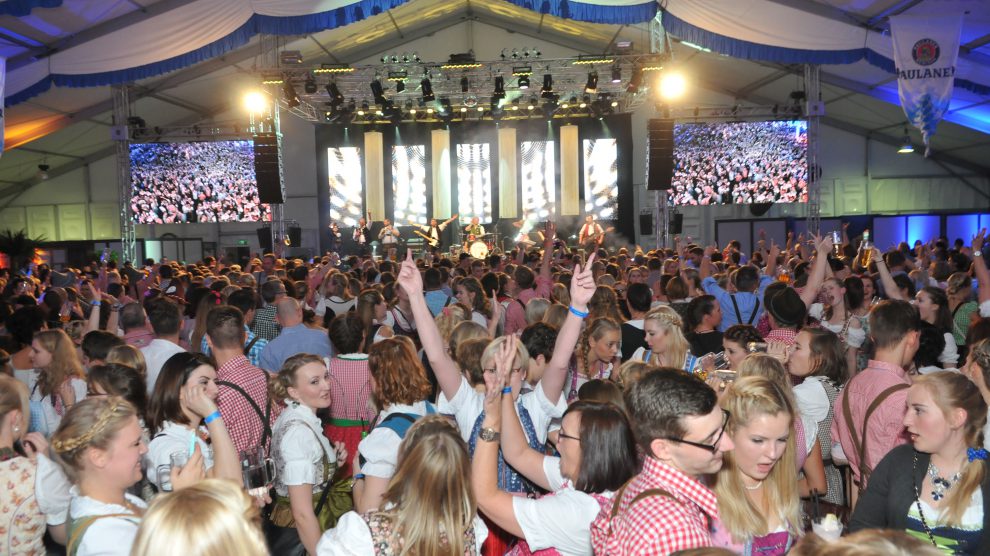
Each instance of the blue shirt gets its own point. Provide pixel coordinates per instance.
(436, 300)
(746, 301)
(293, 340)
(254, 355)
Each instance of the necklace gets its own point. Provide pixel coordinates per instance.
(940, 484)
(755, 487)
(917, 501)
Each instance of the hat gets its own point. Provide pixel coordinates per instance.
(787, 308)
(62, 279)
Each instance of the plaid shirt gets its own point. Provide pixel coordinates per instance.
(659, 525)
(264, 323)
(350, 388)
(242, 421)
(254, 355)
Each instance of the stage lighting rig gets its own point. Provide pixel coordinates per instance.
(291, 96)
(547, 90)
(636, 80)
(336, 98)
(309, 85)
(616, 73)
(427, 89)
(592, 85)
(523, 82)
(465, 84)
(499, 87)
(378, 92)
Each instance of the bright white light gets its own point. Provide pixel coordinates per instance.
(256, 102)
(672, 85)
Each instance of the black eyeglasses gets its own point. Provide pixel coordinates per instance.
(713, 447)
(562, 434)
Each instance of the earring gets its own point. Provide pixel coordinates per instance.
(17, 429)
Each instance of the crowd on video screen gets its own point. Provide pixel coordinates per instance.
(175, 183)
(740, 163)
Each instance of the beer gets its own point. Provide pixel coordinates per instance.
(837, 244)
(865, 250)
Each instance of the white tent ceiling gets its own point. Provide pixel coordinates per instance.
(69, 127)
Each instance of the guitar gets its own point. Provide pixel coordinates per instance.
(429, 240)
(598, 238)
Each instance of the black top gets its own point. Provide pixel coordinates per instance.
(632, 339)
(705, 343)
(890, 493)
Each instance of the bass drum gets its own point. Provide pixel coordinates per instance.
(478, 250)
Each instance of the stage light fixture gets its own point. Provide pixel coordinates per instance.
(463, 108)
(515, 54)
(427, 89)
(445, 105)
(524, 82)
(547, 90)
(336, 68)
(400, 86)
(481, 109)
(465, 84)
(363, 110)
(336, 98)
(906, 146)
(291, 96)
(616, 74)
(429, 110)
(635, 80)
(592, 84)
(309, 85)
(378, 92)
(584, 102)
(672, 85)
(256, 102)
(499, 87)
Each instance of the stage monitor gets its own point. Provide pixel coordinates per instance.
(177, 183)
(720, 163)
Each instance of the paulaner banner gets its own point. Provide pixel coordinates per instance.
(925, 53)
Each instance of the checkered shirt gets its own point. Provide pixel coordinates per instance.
(242, 421)
(350, 388)
(254, 355)
(264, 323)
(659, 525)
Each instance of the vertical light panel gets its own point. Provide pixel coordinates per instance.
(474, 181)
(346, 185)
(508, 198)
(441, 173)
(538, 171)
(409, 184)
(601, 178)
(374, 172)
(569, 177)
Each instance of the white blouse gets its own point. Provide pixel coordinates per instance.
(468, 404)
(109, 536)
(52, 491)
(561, 520)
(51, 419)
(380, 449)
(351, 537)
(173, 438)
(854, 336)
(334, 303)
(298, 448)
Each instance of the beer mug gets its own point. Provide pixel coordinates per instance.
(257, 471)
(836, 243)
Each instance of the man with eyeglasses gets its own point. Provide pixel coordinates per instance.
(664, 509)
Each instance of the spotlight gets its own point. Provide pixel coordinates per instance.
(470, 101)
(550, 108)
(363, 110)
(584, 102)
(635, 80)
(616, 74)
(465, 84)
(444, 105)
(672, 86)
(499, 87)
(415, 57)
(427, 90)
(256, 102)
(481, 109)
(592, 84)
(463, 108)
(400, 86)
(405, 57)
(43, 171)
(515, 54)
(336, 99)
(309, 85)
(378, 92)
(524, 82)
(547, 90)
(291, 96)
(906, 146)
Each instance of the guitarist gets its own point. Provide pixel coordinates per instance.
(432, 232)
(592, 235)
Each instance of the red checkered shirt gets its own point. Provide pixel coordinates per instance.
(242, 421)
(659, 525)
(350, 388)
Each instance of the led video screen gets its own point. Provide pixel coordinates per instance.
(409, 184)
(740, 163)
(176, 183)
(538, 180)
(601, 178)
(474, 181)
(346, 185)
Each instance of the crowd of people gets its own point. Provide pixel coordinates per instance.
(740, 163)
(174, 183)
(807, 398)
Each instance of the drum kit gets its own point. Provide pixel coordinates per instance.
(481, 246)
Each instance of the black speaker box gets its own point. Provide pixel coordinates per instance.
(676, 223)
(265, 239)
(646, 224)
(266, 168)
(660, 154)
(295, 236)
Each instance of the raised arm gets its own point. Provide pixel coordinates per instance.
(771, 269)
(889, 286)
(817, 275)
(582, 288)
(448, 376)
(980, 267)
(551, 230)
(706, 262)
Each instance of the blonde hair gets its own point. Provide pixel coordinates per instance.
(631, 371)
(959, 282)
(280, 382)
(560, 294)
(677, 345)
(522, 356)
(449, 318)
(594, 331)
(91, 423)
(65, 362)
(748, 398)
(767, 366)
(951, 390)
(431, 491)
(130, 356)
(14, 395)
(556, 315)
(536, 308)
(214, 517)
(467, 330)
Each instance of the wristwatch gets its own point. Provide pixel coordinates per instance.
(489, 435)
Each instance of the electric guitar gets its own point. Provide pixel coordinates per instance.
(429, 240)
(598, 238)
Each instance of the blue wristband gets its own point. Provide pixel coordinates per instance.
(507, 390)
(358, 476)
(577, 313)
(212, 417)
(96, 303)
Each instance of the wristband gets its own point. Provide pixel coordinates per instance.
(96, 303)
(358, 476)
(977, 253)
(577, 313)
(507, 390)
(212, 417)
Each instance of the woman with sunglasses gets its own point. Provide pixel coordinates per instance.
(597, 456)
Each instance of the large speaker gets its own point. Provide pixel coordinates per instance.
(660, 156)
(295, 236)
(266, 168)
(646, 224)
(676, 223)
(265, 239)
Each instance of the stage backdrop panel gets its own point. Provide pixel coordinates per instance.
(409, 184)
(440, 160)
(374, 171)
(474, 181)
(346, 185)
(569, 173)
(740, 230)
(964, 226)
(601, 178)
(538, 180)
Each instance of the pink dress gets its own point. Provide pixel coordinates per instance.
(22, 523)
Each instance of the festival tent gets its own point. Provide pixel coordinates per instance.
(185, 56)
